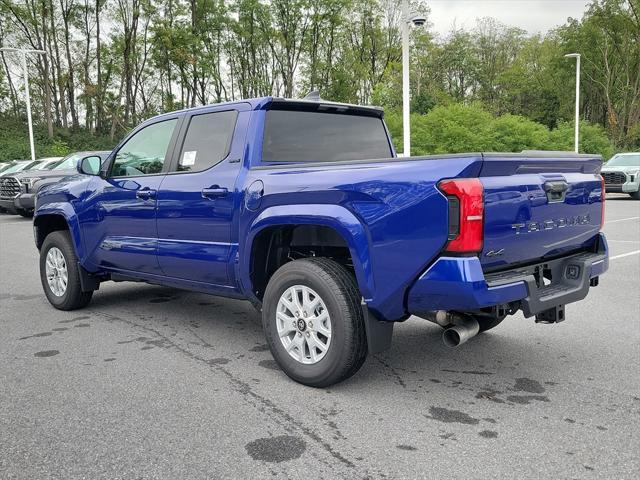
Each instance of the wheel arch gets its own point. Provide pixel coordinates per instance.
(329, 218)
(47, 220)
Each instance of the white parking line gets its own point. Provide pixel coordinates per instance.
(628, 254)
(620, 220)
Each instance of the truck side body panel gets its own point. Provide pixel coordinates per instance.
(402, 217)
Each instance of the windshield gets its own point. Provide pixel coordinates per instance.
(49, 165)
(31, 166)
(17, 167)
(46, 164)
(625, 160)
(36, 166)
(68, 163)
(5, 167)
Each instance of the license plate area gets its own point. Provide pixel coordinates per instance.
(550, 285)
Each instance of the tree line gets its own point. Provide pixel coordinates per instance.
(112, 63)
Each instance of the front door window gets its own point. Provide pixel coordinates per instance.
(146, 152)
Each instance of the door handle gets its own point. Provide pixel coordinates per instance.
(146, 194)
(214, 192)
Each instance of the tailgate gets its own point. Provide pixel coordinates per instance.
(538, 208)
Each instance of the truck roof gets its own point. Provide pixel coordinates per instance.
(263, 103)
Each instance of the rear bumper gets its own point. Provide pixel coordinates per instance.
(458, 283)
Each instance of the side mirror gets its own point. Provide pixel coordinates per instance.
(90, 165)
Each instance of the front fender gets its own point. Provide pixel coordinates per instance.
(66, 211)
(334, 216)
(45, 182)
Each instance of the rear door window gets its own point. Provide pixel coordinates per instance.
(302, 136)
(207, 141)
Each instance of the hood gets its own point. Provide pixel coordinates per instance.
(45, 174)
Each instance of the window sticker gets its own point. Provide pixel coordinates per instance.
(189, 158)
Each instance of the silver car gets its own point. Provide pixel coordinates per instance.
(622, 174)
(18, 192)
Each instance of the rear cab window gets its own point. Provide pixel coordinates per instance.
(303, 136)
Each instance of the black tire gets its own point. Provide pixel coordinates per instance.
(635, 195)
(25, 213)
(337, 287)
(73, 297)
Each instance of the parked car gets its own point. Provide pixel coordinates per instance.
(46, 163)
(18, 191)
(622, 174)
(6, 166)
(13, 167)
(302, 208)
(18, 166)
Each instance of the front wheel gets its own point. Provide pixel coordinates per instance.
(635, 195)
(314, 323)
(59, 273)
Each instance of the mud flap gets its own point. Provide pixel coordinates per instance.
(88, 282)
(379, 333)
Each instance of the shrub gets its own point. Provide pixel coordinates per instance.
(514, 133)
(469, 128)
(593, 139)
(14, 141)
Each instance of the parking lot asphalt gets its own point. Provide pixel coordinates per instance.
(151, 382)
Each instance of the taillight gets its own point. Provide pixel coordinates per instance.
(466, 210)
(603, 198)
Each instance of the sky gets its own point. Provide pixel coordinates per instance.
(531, 15)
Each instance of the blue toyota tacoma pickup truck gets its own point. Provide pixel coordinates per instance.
(303, 208)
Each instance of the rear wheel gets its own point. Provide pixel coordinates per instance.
(313, 322)
(59, 273)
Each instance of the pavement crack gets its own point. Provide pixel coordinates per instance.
(264, 405)
(393, 372)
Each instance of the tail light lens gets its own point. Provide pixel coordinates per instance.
(466, 212)
(603, 198)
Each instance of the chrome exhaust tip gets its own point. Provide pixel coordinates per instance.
(464, 328)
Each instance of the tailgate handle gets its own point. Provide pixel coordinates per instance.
(556, 190)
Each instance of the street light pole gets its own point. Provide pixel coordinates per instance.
(408, 19)
(577, 121)
(406, 116)
(25, 69)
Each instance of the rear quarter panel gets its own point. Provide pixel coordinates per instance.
(401, 214)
